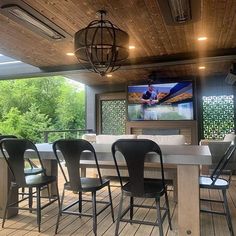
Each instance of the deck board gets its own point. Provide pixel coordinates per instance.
(25, 222)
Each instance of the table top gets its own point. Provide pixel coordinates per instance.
(172, 154)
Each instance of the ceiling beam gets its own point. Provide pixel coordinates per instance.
(137, 63)
(167, 60)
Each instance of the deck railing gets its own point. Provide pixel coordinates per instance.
(76, 132)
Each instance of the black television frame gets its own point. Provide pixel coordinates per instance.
(164, 81)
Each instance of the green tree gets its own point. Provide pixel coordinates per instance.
(71, 108)
(32, 122)
(11, 122)
(29, 106)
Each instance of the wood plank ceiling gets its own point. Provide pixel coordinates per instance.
(143, 21)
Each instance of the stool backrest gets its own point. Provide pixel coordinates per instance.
(134, 151)
(14, 152)
(71, 150)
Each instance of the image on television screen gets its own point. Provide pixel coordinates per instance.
(168, 101)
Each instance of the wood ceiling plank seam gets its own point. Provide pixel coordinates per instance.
(143, 20)
(214, 30)
(176, 38)
(148, 31)
(181, 32)
(74, 9)
(182, 38)
(211, 24)
(8, 40)
(114, 10)
(51, 11)
(196, 33)
(231, 34)
(125, 23)
(198, 29)
(204, 15)
(191, 38)
(163, 42)
(223, 28)
(131, 24)
(226, 26)
(166, 29)
(82, 14)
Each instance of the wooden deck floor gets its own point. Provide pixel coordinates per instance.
(25, 222)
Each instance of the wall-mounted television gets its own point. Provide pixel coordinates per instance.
(165, 101)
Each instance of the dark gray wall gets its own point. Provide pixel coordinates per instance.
(91, 92)
(214, 85)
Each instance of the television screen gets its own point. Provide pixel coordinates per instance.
(168, 101)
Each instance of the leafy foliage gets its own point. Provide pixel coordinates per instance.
(30, 106)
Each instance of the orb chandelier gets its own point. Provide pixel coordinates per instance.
(102, 45)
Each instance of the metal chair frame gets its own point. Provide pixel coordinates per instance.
(219, 171)
(71, 152)
(13, 151)
(134, 152)
(34, 169)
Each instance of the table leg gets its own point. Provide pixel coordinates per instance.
(5, 177)
(188, 200)
(83, 172)
(51, 169)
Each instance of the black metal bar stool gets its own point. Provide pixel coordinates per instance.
(14, 151)
(71, 151)
(134, 152)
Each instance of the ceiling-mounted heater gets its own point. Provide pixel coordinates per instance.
(176, 12)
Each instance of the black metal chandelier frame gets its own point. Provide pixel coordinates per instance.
(101, 44)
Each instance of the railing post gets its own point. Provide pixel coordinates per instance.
(46, 136)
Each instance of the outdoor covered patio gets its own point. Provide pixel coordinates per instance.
(192, 45)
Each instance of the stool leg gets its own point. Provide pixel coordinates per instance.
(6, 207)
(80, 202)
(159, 216)
(49, 193)
(58, 196)
(110, 197)
(23, 192)
(119, 215)
(38, 208)
(131, 208)
(168, 210)
(228, 216)
(60, 210)
(30, 199)
(94, 213)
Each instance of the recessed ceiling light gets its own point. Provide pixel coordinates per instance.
(202, 38)
(70, 54)
(131, 47)
(201, 67)
(109, 75)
